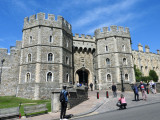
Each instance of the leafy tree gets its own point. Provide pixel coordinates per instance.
(138, 74)
(154, 75)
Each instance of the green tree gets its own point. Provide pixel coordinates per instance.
(154, 75)
(138, 74)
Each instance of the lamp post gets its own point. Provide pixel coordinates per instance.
(2, 61)
(122, 88)
(83, 69)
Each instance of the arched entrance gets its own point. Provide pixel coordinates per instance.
(82, 76)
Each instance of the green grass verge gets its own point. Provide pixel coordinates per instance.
(12, 101)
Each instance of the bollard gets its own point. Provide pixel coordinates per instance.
(107, 95)
(147, 91)
(97, 95)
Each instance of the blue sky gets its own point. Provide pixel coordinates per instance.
(141, 16)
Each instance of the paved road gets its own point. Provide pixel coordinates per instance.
(147, 112)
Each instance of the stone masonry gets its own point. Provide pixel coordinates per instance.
(49, 56)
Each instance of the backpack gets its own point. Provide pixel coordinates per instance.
(62, 98)
(142, 87)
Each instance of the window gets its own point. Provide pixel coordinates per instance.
(29, 57)
(49, 77)
(50, 57)
(30, 39)
(126, 77)
(124, 61)
(146, 67)
(51, 39)
(108, 77)
(67, 43)
(106, 48)
(108, 61)
(67, 60)
(28, 77)
(123, 47)
(67, 77)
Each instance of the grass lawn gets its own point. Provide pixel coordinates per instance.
(12, 101)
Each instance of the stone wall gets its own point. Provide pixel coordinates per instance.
(77, 95)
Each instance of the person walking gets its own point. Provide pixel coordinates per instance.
(136, 94)
(64, 100)
(152, 86)
(91, 86)
(142, 87)
(114, 90)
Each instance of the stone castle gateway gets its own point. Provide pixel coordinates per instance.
(49, 56)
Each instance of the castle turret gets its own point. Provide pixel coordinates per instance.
(113, 55)
(140, 47)
(147, 49)
(46, 55)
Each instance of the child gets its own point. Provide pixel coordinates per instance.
(122, 102)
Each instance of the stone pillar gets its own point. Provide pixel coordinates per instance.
(140, 47)
(55, 104)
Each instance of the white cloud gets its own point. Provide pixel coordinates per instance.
(101, 12)
(114, 21)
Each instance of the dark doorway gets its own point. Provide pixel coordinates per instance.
(83, 76)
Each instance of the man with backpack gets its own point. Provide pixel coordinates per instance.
(64, 100)
(142, 87)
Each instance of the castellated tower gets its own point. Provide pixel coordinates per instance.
(114, 56)
(46, 56)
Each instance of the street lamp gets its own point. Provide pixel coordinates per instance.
(83, 69)
(2, 61)
(122, 88)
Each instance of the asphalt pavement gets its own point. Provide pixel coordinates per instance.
(146, 112)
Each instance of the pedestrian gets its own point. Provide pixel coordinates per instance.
(142, 87)
(152, 86)
(64, 100)
(122, 102)
(136, 94)
(114, 90)
(91, 86)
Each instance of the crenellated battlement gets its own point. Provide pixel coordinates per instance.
(39, 19)
(83, 37)
(114, 31)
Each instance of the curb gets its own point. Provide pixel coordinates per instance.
(92, 109)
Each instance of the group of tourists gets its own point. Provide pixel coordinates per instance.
(142, 87)
(121, 101)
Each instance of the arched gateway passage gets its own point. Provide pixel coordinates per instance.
(82, 76)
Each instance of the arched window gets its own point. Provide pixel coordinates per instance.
(123, 48)
(126, 77)
(67, 77)
(108, 61)
(67, 60)
(50, 57)
(29, 57)
(49, 77)
(30, 39)
(28, 77)
(106, 48)
(50, 38)
(109, 77)
(67, 43)
(124, 61)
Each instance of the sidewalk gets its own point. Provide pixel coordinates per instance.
(100, 105)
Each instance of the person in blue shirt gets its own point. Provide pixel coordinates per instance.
(136, 94)
(64, 104)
